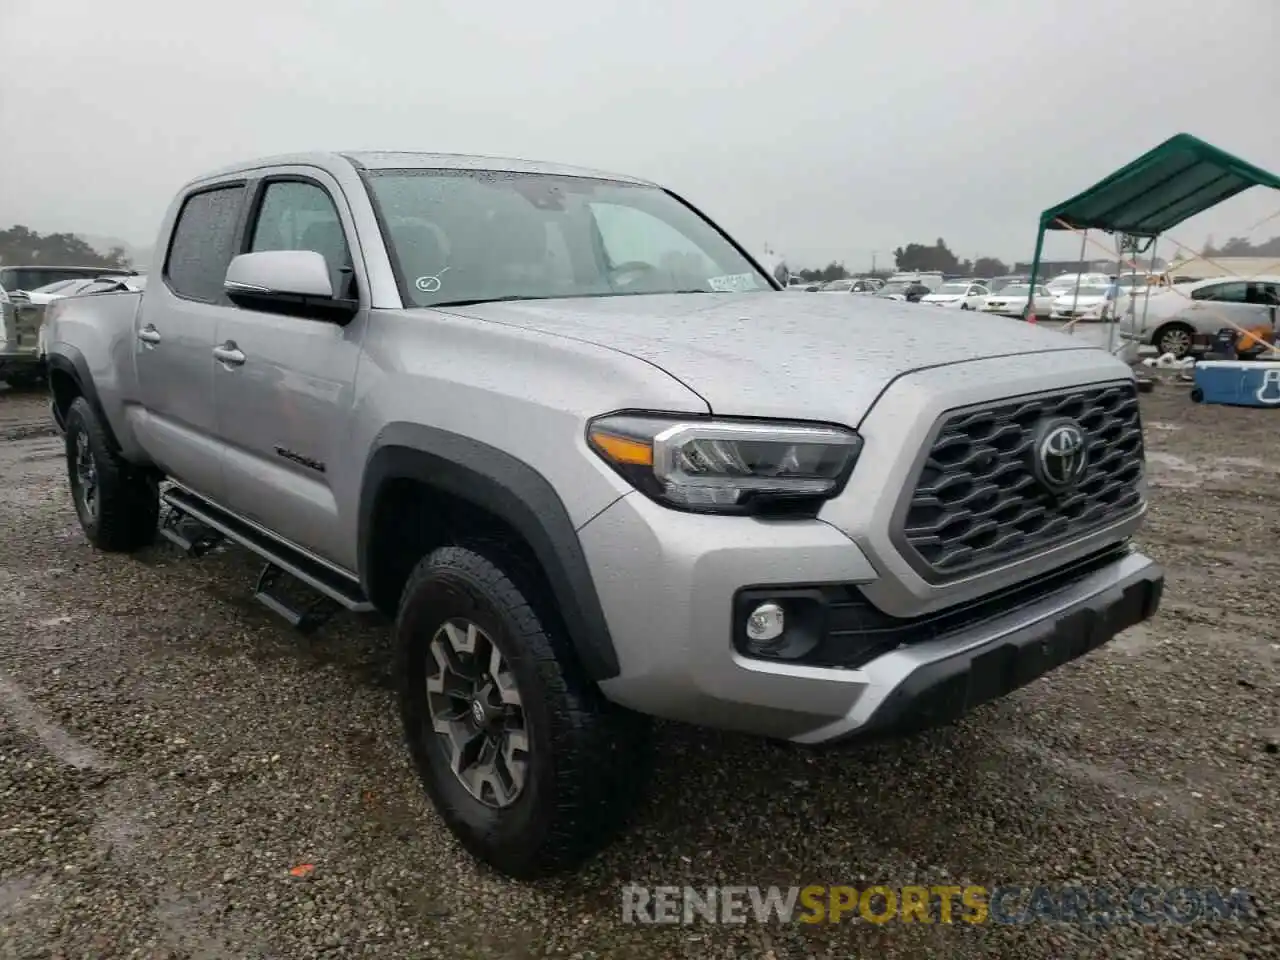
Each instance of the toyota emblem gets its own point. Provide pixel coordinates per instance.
(1060, 455)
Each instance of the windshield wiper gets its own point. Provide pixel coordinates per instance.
(563, 296)
(470, 303)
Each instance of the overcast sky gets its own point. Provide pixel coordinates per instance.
(828, 129)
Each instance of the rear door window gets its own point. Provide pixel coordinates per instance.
(204, 239)
(1233, 292)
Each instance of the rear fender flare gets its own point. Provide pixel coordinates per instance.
(70, 361)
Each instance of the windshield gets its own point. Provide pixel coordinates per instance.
(462, 236)
(1092, 290)
(897, 286)
(1015, 290)
(839, 285)
(953, 288)
(1069, 283)
(1000, 283)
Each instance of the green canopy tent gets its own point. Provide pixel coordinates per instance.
(1180, 178)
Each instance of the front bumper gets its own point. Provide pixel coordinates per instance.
(936, 691)
(668, 583)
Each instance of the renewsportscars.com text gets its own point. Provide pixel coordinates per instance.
(945, 904)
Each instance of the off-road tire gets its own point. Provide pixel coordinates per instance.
(587, 757)
(128, 498)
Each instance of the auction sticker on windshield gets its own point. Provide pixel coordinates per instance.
(733, 283)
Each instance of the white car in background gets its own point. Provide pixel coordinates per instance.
(1173, 319)
(1092, 302)
(1012, 301)
(997, 284)
(850, 285)
(958, 294)
(1066, 282)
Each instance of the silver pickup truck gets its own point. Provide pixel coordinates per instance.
(598, 468)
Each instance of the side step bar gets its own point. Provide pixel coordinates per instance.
(280, 557)
(188, 534)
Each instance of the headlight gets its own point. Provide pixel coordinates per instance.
(725, 466)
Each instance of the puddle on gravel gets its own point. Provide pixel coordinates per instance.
(1169, 470)
(1135, 640)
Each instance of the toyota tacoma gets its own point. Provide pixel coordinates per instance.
(565, 432)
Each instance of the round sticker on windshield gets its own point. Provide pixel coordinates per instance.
(430, 284)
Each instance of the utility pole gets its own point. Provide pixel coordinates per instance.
(873, 261)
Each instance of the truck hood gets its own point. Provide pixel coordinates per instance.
(762, 355)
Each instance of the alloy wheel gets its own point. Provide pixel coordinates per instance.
(86, 476)
(476, 713)
(1176, 342)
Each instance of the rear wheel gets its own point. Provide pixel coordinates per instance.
(1175, 339)
(117, 503)
(525, 761)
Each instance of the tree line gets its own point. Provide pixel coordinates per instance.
(24, 246)
(1241, 247)
(918, 257)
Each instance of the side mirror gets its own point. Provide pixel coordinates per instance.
(291, 282)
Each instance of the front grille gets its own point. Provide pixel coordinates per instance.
(977, 504)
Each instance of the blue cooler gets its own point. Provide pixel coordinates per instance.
(1238, 383)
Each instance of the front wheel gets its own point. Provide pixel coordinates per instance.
(118, 504)
(525, 761)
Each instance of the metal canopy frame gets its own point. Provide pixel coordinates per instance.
(1180, 178)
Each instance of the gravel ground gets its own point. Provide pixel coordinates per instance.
(171, 756)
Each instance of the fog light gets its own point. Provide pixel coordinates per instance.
(766, 623)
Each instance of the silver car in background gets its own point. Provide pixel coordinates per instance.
(1178, 319)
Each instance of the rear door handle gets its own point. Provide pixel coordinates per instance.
(229, 354)
(149, 335)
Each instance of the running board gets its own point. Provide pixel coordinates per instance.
(339, 587)
(306, 616)
(188, 534)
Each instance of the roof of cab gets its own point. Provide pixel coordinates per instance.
(379, 160)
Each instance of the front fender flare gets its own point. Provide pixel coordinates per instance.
(511, 490)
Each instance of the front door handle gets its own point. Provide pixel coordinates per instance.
(149, 335)
(229, 354)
